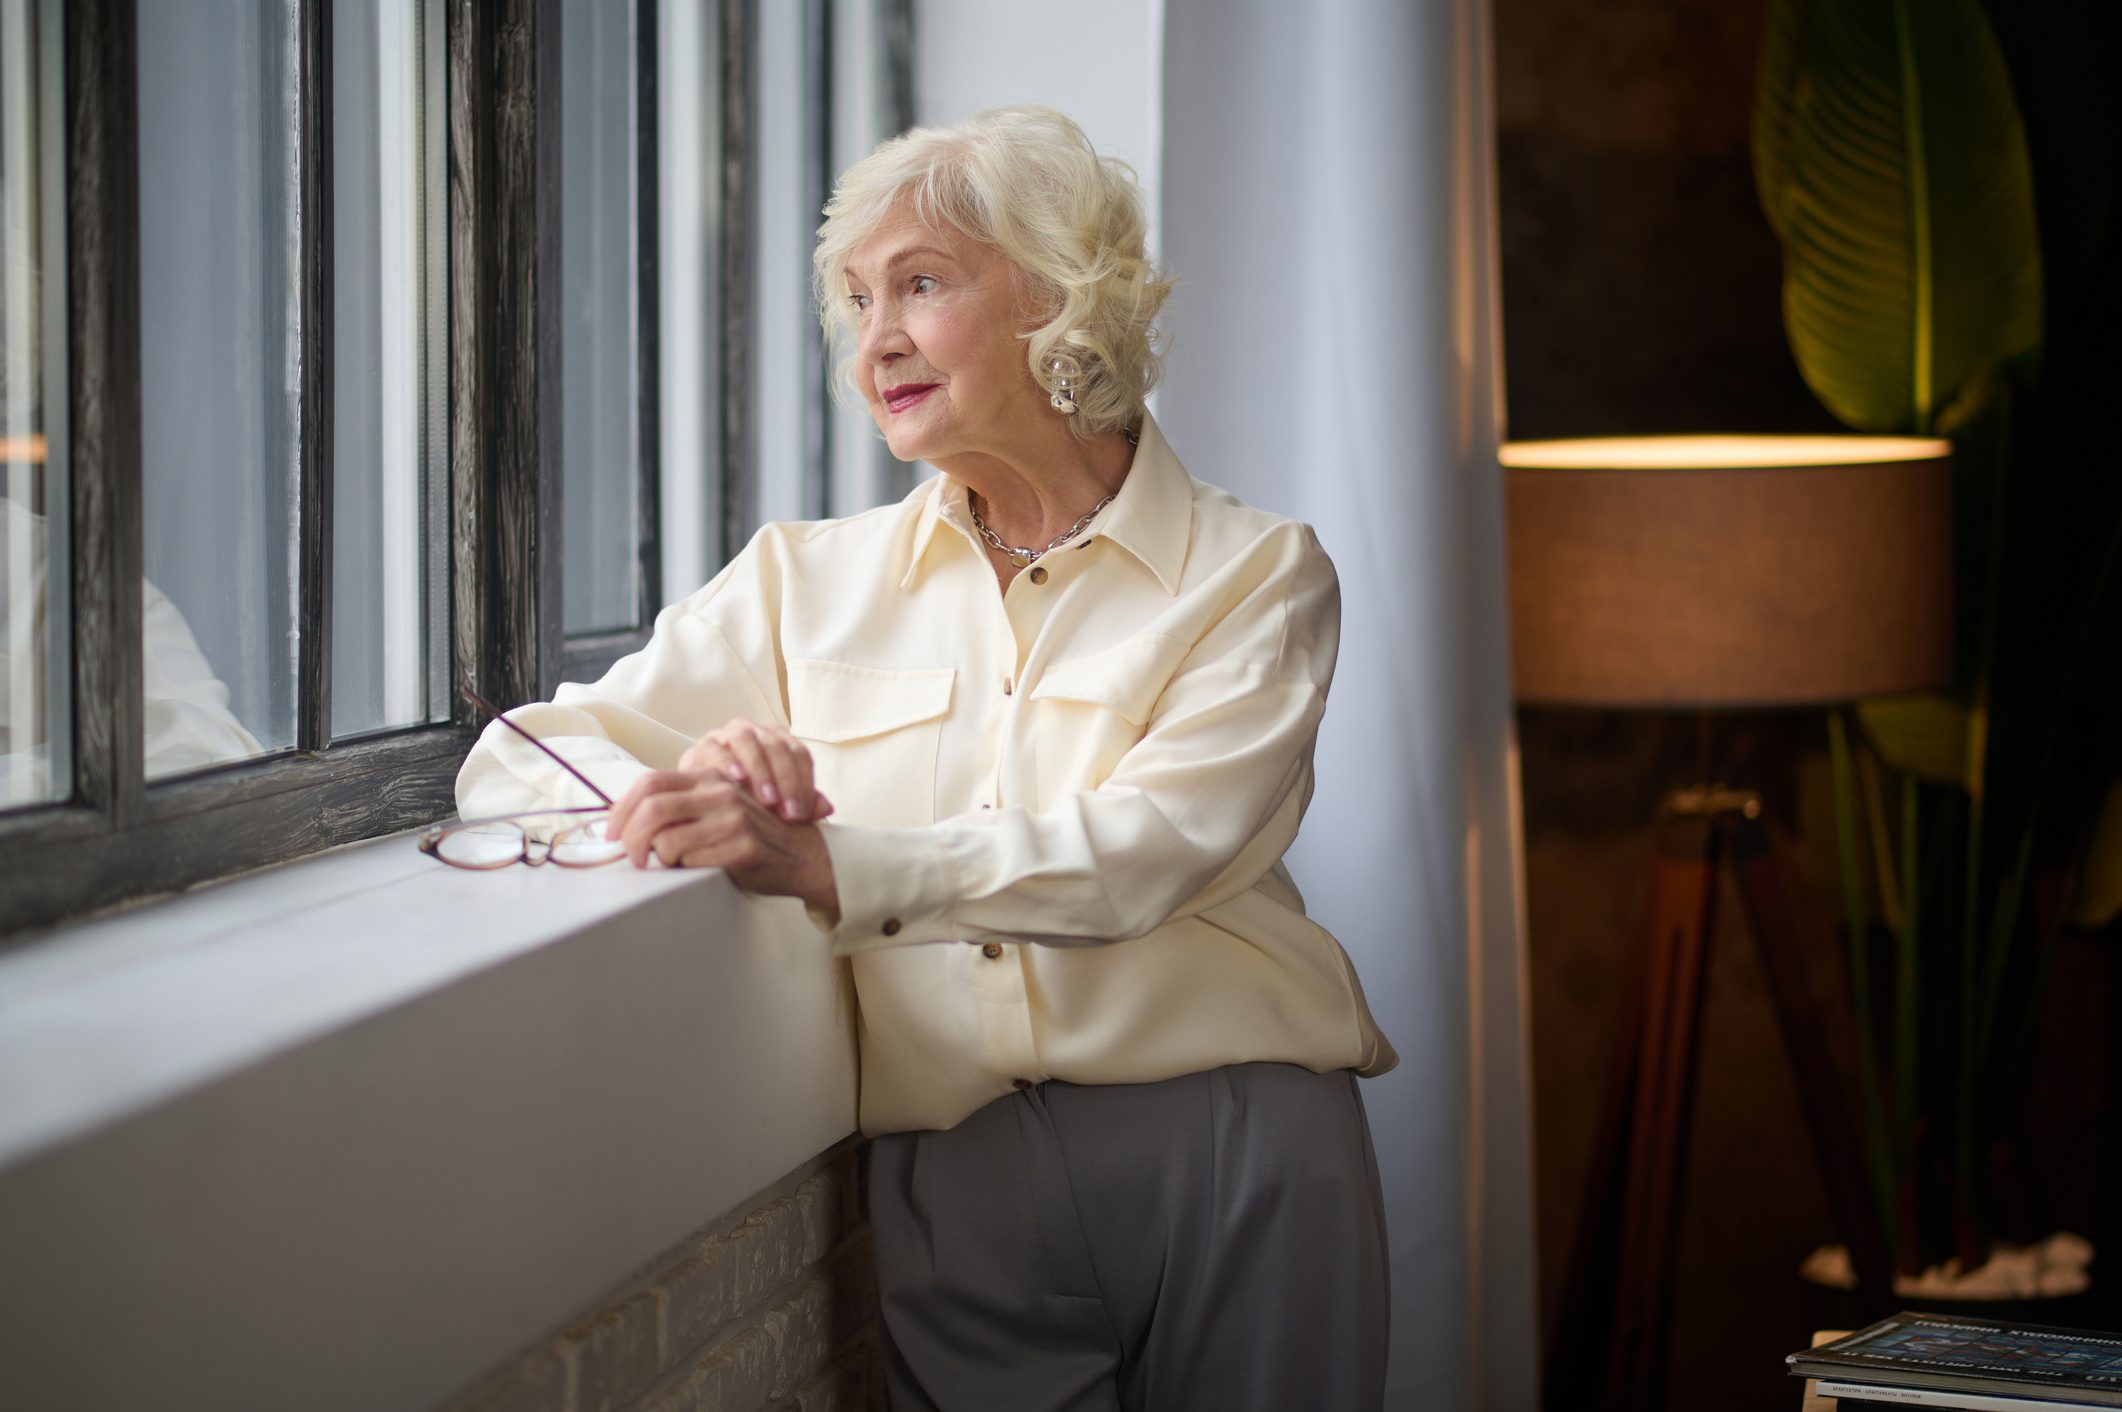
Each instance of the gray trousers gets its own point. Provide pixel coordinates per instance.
(1211, 1241)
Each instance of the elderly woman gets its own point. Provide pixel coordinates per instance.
(1060, 705)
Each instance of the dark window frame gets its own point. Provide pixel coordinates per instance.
(116, 839)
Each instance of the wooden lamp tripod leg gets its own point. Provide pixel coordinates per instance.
(1781, 925)
(1687, 873)
(1611, 1335)
(1616, 1304)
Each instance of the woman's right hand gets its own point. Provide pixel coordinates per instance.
(775, 765)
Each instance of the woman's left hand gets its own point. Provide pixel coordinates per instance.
(700, 819)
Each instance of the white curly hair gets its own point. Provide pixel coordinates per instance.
(1027, 182)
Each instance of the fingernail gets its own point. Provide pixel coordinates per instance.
(768, 793)
(788, 809)
(735, 773)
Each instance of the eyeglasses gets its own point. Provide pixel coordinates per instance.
(569, 838)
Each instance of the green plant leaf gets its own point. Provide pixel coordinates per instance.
(2099, 895)
(1928, 735)
(1776, 84)
(1892, 161)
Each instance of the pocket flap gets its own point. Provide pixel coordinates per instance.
(1127, 677)
(832, 701)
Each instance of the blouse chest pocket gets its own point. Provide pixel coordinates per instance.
(1090, 710)
(873, 736)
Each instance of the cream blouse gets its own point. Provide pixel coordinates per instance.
(1061, 810)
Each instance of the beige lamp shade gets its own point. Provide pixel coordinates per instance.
(1704, 571)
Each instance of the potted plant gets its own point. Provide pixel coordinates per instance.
(1975, 824)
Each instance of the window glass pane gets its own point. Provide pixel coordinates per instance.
(688, 289)
(389, 474)
(34, 716)
(599, 292)
(219, 364)
(784, 222)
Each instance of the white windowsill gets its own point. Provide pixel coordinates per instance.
(348, 1132)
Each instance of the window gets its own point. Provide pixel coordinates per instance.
(390, 351)
(35, 703)
(353, 351)
(232, 221)
(609, 480)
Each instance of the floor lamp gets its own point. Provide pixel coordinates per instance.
(1702, 573)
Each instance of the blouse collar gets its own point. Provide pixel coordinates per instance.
(1151, 517)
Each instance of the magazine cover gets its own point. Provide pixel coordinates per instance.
(1947, 1350)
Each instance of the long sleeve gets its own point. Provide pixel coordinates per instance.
(1193, 814)
(1107, 760)
(711, 657)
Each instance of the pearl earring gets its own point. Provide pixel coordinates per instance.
(1067, 370)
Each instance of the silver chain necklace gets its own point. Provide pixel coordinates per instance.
(1022, 557)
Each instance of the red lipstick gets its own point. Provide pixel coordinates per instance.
(906, 394)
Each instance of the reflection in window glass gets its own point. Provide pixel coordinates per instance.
(389, 475)
(599, 291)
(219, 367)
(34, 764)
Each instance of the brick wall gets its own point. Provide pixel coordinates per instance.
(772, 1306)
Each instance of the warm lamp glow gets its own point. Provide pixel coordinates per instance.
(1702, 571)
(1652, 453)
(23, 448)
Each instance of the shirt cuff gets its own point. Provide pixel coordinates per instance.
(897, 887)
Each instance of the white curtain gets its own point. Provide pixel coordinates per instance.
(1328, 207)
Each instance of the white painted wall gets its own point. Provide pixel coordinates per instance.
(1099, 61)
(1349, 227)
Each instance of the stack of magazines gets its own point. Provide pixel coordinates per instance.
(1945, 1360)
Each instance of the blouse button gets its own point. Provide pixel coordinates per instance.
(992, 951)
(891, 926)
(1039, 575)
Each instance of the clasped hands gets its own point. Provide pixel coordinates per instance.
(741, 799)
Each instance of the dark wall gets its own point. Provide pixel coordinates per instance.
(1641, 290)
(1640, 282)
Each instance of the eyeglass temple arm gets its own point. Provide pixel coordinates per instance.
(481, 702)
